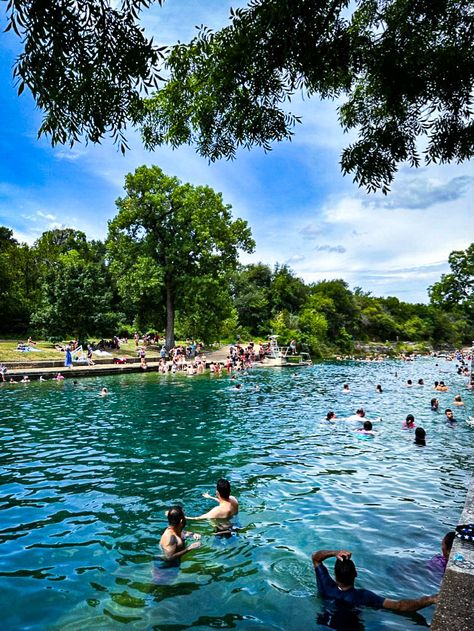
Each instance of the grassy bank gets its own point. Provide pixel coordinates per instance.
(46, 351)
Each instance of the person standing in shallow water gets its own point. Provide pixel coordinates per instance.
(228, 504)
(172, 541)
(409, 423)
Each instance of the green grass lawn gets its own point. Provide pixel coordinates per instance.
(47, 351)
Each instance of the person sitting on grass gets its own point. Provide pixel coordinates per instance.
(342, 589)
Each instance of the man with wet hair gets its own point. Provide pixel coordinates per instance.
(449, 416)
(228, 506)
(172, 541)
(342, 589)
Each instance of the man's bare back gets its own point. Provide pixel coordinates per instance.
(228, 505)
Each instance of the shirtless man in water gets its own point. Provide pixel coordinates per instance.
(172, 540)
(228, 506)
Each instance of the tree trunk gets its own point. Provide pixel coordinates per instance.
(169, 316)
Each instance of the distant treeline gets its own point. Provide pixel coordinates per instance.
(65, 285)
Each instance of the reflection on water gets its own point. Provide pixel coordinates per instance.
(85, 482)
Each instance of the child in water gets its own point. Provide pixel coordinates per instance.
(409, 422)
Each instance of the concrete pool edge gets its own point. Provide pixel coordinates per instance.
(455, 611)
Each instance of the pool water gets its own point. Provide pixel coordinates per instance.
(85, 481)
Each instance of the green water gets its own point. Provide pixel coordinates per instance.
(85, 481)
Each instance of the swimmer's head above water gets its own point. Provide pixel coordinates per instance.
(176, 515)
(223, 488)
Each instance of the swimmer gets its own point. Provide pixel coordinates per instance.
(442, 387)
(439, 562)
(409, 383)
(228, 504)
(449, 416)
(378, 388)
(421, 382)
(434, 405)
(238, 386)
(42, 378)
(420, 436)
(172, 540)
(458, 401)
(358, 416)
(58, 377)
(25, 379)
(331, 416)
(345, 388)
(366, 429)
(104, 392)
(409, 423)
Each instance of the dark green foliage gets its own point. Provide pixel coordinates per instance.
(85, 63)
(16, 283)
(75, 299)
(454, 292)
(406, 70)
(66, 286)
(403, 68)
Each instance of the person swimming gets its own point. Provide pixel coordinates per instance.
(378, 388)
(409, 423)
(420, 436)
(331, 416)
(104, 392)
(449, 416)
(434, 405)
(366, 429)
(228, 505)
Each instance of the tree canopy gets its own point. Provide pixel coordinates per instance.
(86, 64)
(403, 71)
(172, 243)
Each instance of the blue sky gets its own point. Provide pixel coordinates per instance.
(301, 209)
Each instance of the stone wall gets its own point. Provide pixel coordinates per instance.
(455, 609)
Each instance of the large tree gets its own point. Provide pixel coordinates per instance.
(404, 68)
(168, 238)
(454, 292)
